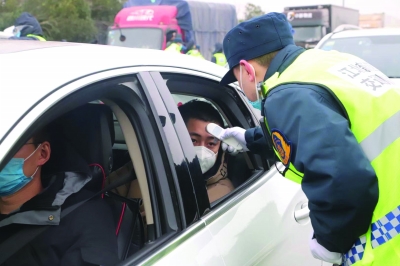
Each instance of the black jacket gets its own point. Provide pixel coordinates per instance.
(84, 237)
(339, 181)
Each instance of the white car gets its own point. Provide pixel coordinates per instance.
(264, 221)
(379, 47)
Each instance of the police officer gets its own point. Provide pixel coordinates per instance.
(218, 56)
(195, 52)
(333, 121)
(27, 27)
(176, 46)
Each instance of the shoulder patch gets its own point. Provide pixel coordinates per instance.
(282, 145)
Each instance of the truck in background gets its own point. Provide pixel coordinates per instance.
(312, 23)
(144, 24)
(378, 20)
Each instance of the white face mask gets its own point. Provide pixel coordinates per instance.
(207, 158)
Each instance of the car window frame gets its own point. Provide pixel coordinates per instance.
(76, 93)
(183, 134)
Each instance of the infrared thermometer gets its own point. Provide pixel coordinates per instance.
(218, 131)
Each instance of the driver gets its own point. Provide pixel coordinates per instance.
(27, 198)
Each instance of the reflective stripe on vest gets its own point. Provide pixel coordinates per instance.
(370, 102)
(37, 37)
(387, 133)
(220, 59)
(381, 232)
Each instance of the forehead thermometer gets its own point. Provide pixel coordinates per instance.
(218, 131)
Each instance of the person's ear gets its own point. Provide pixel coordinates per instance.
(251, 74)
(44, 153)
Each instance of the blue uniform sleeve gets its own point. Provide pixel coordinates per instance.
(256, 142)
(339, 181)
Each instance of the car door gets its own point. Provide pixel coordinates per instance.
(265, 219)
(194, 245)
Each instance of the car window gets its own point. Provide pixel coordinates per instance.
(240, 169)
(181, 99)
(383, 52)
(83, 130)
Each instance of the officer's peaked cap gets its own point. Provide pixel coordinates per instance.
(254, 38)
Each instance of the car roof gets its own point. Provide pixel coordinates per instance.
(366, 33)
(29, 70)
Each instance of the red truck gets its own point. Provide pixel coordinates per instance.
(141, 24)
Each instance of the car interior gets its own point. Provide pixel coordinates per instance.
(99, 133)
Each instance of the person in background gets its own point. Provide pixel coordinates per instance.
(218, 56)
(170, 36)
(195, 52)
(27, 27)
(176, 45)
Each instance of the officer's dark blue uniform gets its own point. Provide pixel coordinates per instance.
(32, 27)
(323, 146)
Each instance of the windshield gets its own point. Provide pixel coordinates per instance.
(150, 38)
(383, 52)
(302, 34)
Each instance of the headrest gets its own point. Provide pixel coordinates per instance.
(89, 131)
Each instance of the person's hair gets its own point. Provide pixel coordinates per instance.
(200, 110)
(265, 60)
(40, 136)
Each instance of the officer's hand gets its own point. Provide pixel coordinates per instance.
(238, 134)
(321, 253)
(229, 149)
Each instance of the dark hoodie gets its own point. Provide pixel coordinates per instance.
(33, 27)
(218, 49)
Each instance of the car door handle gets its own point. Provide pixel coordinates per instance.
(303, 213)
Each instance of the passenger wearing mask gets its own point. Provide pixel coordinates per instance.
(218, 56)
(213, 160)
(29, 198)
(27, 27)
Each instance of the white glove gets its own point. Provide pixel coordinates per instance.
(229, 149)
(236, 133)
(321, 253)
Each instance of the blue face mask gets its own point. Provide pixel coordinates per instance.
(257, 103)
(12, 177)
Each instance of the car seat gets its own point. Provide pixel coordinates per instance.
(89, 130)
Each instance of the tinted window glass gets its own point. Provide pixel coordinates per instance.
(383, 52)
(308, 34)
(150, 38)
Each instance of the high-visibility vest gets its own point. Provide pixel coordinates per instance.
(40, 38)
(195, 53)
(220, 59)
(372, 105)
(173, 48)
